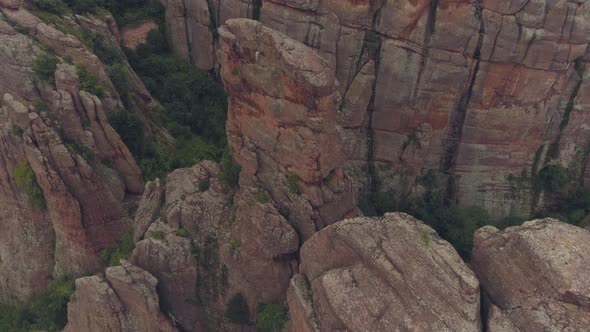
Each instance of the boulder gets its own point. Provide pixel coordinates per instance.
(124, 300)
(383, 274)
(534, 275)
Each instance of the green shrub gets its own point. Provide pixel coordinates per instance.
(25, 179)
(89, 82)
(45, 311)
(83, 6)
(17, 131)
(52, 6)
(76, 148)
(120, 78)
(553, 177)
(234, 245)
(378, 203)
(182, 232)
(293, 183)
(203, 185)
(131, 130)
(461, 226)
(237, 310)
(157, 235)
(261, 197)
(188, 152)
(44, 67)
(130, 12)
(121, 250)
(230, 170)
(101, 47)
(271, 317)
(40, 105)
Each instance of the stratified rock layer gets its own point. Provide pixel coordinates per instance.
(383, 274)
(534, 276)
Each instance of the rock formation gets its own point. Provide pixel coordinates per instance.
(181, 227)
(124, 300)
(382, 274)
(282, 130)
(426, 86)
(533, 276)
(65, 171)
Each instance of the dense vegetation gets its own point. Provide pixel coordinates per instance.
(194, 104)
(45, 311)
(44, 67)
(194, 110)
(458, 224)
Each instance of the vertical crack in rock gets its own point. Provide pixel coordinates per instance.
(187, 31)
(430, 28)
(372, 37)
(256, 9)
(579, 71)
(455, 131)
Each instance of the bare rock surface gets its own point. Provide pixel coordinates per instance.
(383, 274)
(169, 258)
(124, 300)
(533, 275)
(476, 89)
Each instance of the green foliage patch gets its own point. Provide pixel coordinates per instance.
(25, 180)
(44, 311)
(271, 317)
(44, 67)
(89, 82)
(121, 250)
(293, 183)
(237, 310)
(553, 177)
(261, 197)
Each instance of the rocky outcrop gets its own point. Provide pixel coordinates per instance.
(282, 130)
(479, 90)
(149, 208)
(382, 274)
(282, 124)
(80, 170)
(169, 258)
(533, 276)
(123, 300)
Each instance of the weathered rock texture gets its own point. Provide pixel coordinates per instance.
(125, 300)
(282, 123)
(184, 253)
(476, 89)
(282, 130)
(534, 276)
(82, 168)
(383, 274)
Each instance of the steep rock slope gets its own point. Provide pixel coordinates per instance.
(476, 90)
(534, 276)
(382, 274)
(65, 171)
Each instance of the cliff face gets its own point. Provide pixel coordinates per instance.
(65, 171)
(475, 90)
